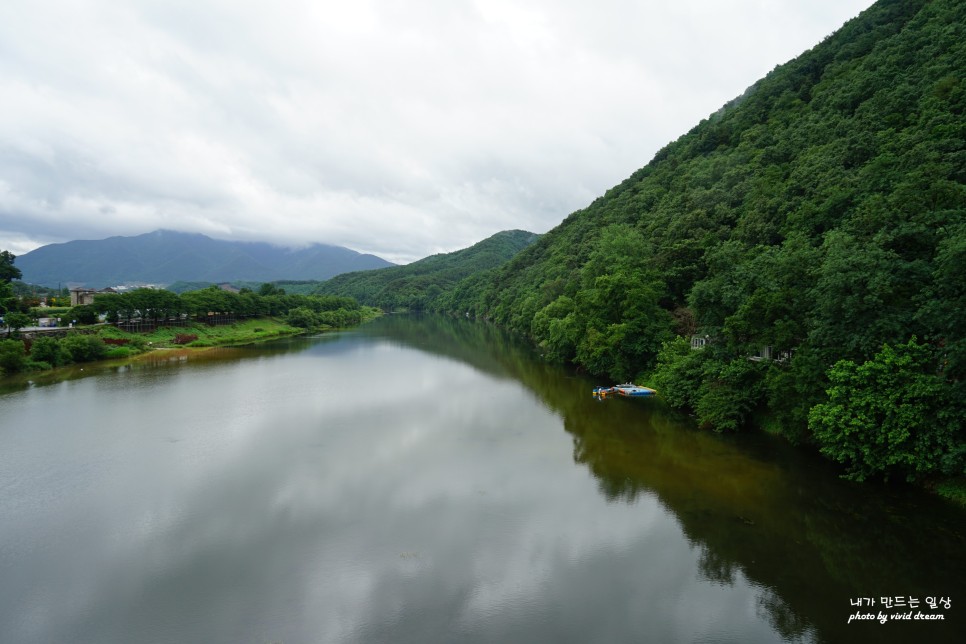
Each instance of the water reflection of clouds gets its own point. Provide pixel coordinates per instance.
(321, 501)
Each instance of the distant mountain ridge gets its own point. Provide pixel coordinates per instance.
(164, 256)
(416, 286)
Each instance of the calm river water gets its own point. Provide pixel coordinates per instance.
(421, 480)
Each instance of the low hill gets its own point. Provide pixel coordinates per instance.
(163, 257)
(416, 286)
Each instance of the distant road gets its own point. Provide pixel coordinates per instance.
(47, 329)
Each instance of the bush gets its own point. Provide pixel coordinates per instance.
(184, 338)
(83, 348)
(679, 373)
(730, 392)
(13, 358)
(723, 393)
(48, 350)
(303, 317)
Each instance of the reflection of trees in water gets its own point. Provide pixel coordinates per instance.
(807, 540)
(716, 568)
(609, 437)
(791, 625)
(770, 607)
(626, 490)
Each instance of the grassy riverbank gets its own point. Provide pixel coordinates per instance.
(97, 343)
(243, 332)
(86, 349)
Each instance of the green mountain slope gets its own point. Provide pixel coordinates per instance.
(416, 286)
(812, 220)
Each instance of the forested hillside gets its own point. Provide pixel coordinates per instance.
(811, 233)
(416, 286)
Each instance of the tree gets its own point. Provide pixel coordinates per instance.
(47, 350)
(17, 320)
(7, 298)
(8, 271)
(83, 348)
(891, 416)
(12, 356)
(270, 289)
(84, 314)
(302, 317)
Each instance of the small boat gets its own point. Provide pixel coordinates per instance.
(626, 389)
(630, 389)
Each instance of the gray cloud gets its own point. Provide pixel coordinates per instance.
(398, 128)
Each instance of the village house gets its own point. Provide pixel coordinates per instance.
(83, 296)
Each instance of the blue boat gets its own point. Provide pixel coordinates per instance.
(626, 389)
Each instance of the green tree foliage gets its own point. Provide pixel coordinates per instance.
(891, 415)
(83, 348)
(48, 350)
(302, 317)
(679, 373)
(723, 393)
(8, 272)
(13, 358)
(613, 324)
(270, 289)
(815, 218)
(159, 305)
(16, 320)
(84, 314)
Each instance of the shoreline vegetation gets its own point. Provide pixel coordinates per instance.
(146, 319)
(145, 346)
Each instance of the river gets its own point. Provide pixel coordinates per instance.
(426, 480)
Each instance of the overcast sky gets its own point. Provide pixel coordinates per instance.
(400, 128)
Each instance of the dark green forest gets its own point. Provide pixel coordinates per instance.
(796, 261)
(417, 286)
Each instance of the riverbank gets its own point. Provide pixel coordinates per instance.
(50, 359)
(949, 488)
(198, 335)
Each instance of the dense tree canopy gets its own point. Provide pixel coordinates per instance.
(156, 305)
(890, 415)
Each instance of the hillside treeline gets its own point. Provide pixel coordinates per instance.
(158, 305)
(417, 286)
(808, 239)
